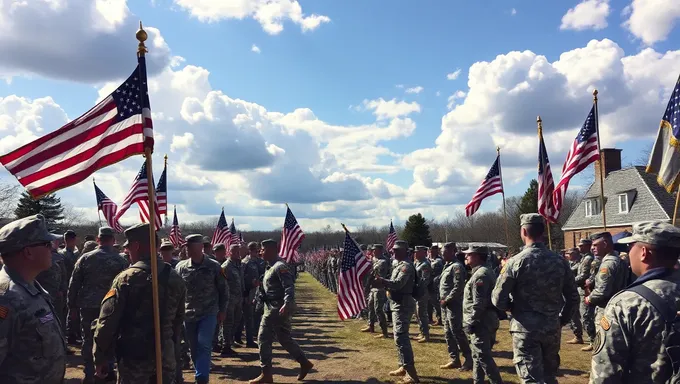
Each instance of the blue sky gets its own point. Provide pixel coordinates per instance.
(349, 116)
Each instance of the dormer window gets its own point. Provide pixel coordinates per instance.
(593, 207)
(623, 203)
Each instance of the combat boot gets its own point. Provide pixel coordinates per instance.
(411, 375)
(399, 372)
(264, 378)
(451, 364)
(383, 335)
(587, 348)
(424, 339)
(576, 340)
(368, 329)
(305, 367)
(467, 365)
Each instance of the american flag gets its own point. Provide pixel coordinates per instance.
(391, 237)
(233, 235)
(492, 184)
(116, 128)
(353, 266)
(108, 208)
(291, 237)
(162, 193)
(546, 185)
(175, 233)
(240, 239)
(138, 193)
(584, 151)
(222, 234)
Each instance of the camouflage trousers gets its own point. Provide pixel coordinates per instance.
(249, 317)
(232, 320)
(434, 308)
(135, 371)
(456, 340)
(588, 318)
(537, 356)
(273, 324)
(401, 320)
(87, 316)
(73, 330)
(575, 323)
(482, 361)
(421, 315)
(376, 309)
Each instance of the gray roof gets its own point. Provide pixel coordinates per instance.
(647, 201)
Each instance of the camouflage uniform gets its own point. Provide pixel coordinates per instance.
(250, 273)
(377, 296)
(424, 276)
(541, 285)
(451, 288)
(587, 311)
(433, 290)
(70, 258)
(232, 270)
(610, 278)
(32, 344)
(400, 292)
(480, 320)
(54, 281)
(91, 280)
(575, 323)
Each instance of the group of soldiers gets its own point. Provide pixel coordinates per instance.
(206, 293)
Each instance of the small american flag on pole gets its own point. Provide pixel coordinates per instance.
(108, 208)
(546, 185)
(175, 233)
(391, 237)
(233, 235)
(222, 234)
(584, 151)
(116, 128)
(353, 266)
(492, 184)
(291, 237)
(138, 194)
(162, 192)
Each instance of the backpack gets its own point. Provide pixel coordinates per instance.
(669, 353)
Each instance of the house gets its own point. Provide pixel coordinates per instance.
(630, 195)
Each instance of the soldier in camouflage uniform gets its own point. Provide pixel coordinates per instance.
(91, 280)
(437, 264)
(70, 253)
(220, 255)
(451, 289)
(377, 296)
(424, 276)
(574, 258)
(279, 297)
(181, 346)
(330, 262)
(55, 282)
(125, 326)
(252, 280)
(32, 344)
(208, 247)
(206, 303)
(629, 344)
(583, 274)
(232, 270)
(536, 285)
(480, 319)
(400, 292)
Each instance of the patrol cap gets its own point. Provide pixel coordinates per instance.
(106, 231)
(434, 246)
(369, 247)
(655, 233)
(600, 235)
(400, 244)
(476, 249)
(268, 243)
(585, 242)
(166, 245)
(252, 244)
(421, 248)
(138, 232)
(233, 247)
(378, 247)
(449, 245)
(531, 218)
(70, 234)
(90, 238)
(23, 233)
(206, 240)
(89, 246)
(194, 239)
(363, 247)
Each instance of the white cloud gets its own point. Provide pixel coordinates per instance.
(453, 98)
(513, 12)
(415, 90)
(652, 20)
(182, 142)
(269, 13)
(390, 109)
(588, 14)
(255, 49)
(453, 75)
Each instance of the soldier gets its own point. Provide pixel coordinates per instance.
(219, 255)
(574, 259)
(331, 281)
(437, 268)
(451, 289)
(630, 336)
(400, 292)
(232, 270)
(207, 247)
(89, 246)
(279, 297)
(70, 253)
(480, 319)
(377, 296)
(252, 280)
(206, 303)
(125, 325)
(92, 277)
(583, 274)
(536, 285)
(166, 251)
(32, 345)
(424, 276)
(54, 281)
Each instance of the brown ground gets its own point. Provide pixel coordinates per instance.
(342, 354)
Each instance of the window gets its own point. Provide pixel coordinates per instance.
(592, 207)
(623, 203)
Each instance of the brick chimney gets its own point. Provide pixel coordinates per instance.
(611, 161)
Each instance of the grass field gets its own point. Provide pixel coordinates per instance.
(342, 354)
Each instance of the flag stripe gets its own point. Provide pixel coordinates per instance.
(291, 237)
(354, 265)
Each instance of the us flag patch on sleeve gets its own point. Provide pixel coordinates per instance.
(4, 311)
(110, 294)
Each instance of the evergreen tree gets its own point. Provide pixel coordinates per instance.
(48, 206)
(416, 231)
(529, 202)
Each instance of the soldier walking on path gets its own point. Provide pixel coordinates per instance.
(400, 292)
(25, 307)
(480, 319)
(252, 280)
(377, 297)
(279, 298)
(424, 276)
(582, 275)
(125, 327)
(451, 289)
(232, 270)
(536, 285)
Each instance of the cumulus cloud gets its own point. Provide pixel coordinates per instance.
(453, 75)
(390, 109)
(513, 12)
(415, 90)
(652, 20)
(588, 14)
(255, 49)
(181, 142)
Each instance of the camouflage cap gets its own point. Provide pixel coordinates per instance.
(194, 239)
(253, 244)
(89, 246)
(138, 232)
(206, 240)
(449, 245)
(378, 247)
(434, 246)
(369, 247)
(23, 233)
(531, 218)
(219, 247)
(363, 247)
(655, 233)
(69, 234)
(421, 248)
(268, 243)
(477, 249)
(233, 247)
(106, 231)
(166, 245)
(90, 237)
(600, 235)
(400, 244)
(585, 242)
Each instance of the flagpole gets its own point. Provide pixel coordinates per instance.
(539, 122)
(165, 167)
(141, 35)
(98, 211)
(505, 215)
(597, 130)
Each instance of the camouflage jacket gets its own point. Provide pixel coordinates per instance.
(278, 285)
(70, 259)
(232, 271)
(54, 280)
(92, 277)
(452, 283)
(477, 308)
(424, 274)
(583, 272)
(207, 292)
(608, 280)
(400, 285)
(381, 267)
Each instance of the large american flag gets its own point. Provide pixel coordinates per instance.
(138, 193)
(222, 234)
(546, 185)
(492, 184)
(391, 237)
(175, 233)
(353, 266)
(291, 237)
(116, 128)
(584, 151)
(162, 192)
(108, 208)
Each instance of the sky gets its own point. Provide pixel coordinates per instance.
(349, 111)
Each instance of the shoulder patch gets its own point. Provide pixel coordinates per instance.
(110, 293)
(404, 269)
(4, 311)
(479, 283)
(604, 270)
(283, 270)
(604, 323)
(223, 273)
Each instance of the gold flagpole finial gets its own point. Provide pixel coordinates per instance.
(498, 150)
(539, 122)
(165, 158)
(141, 35)
(595, 92)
